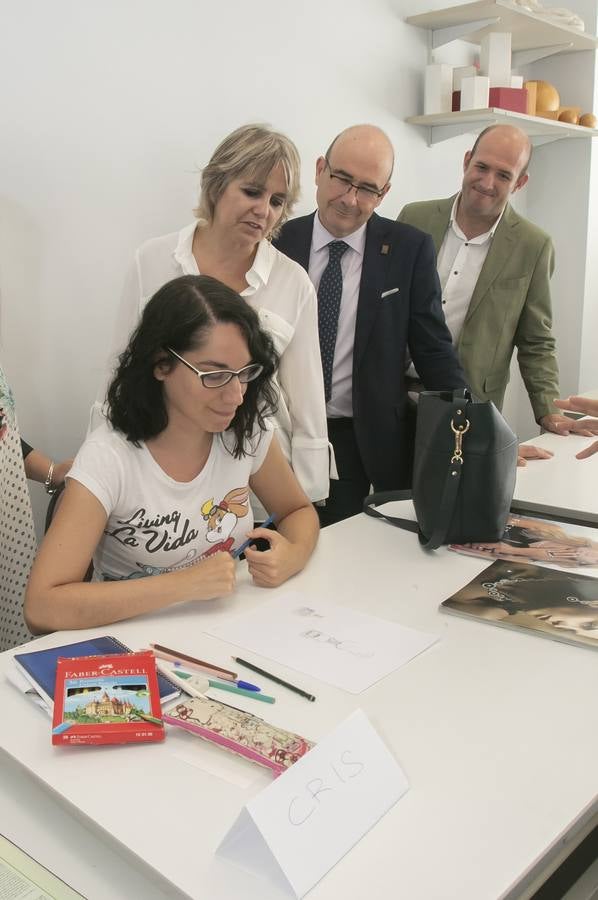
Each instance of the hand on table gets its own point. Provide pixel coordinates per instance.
(557, 424)
(530, 451)
(271, 567)
(585, 427)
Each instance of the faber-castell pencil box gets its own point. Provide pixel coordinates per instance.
(39, 666)
(110, 699)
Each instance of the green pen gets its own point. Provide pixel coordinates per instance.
(227, 686)
(221, 686)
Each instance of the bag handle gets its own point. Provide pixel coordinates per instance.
(459, 426)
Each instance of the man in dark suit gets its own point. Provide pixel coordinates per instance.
(378, 293)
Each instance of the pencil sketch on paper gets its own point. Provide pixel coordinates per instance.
(352, 647)
(336, 644)
(309, 612)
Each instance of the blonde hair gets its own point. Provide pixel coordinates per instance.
(251, 151)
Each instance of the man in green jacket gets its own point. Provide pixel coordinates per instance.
(495, 270)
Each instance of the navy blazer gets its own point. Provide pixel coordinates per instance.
(399, 306)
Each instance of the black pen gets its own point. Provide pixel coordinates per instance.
(291, 687)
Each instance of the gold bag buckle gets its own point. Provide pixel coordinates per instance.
(459, 431)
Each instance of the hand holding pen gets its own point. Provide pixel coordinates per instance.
(282, 559)
(253, 535)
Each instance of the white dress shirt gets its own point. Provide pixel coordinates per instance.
(460, 261)
(281, 293)
(341, 399)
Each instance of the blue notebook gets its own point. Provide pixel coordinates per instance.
(39, 666)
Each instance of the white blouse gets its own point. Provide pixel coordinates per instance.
(283, 296)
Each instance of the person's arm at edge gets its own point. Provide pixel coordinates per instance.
(297, 524)
(302, 382)
(57, 597)
(536, 347)
(37, 468)
(588, 407)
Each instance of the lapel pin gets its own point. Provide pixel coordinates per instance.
(384, 249)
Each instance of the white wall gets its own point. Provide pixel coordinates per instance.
(110, 108)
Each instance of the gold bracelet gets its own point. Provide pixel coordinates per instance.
(50, 488)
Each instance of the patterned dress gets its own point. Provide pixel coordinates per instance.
(17, 536)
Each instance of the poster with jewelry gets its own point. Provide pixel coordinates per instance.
(572, 548)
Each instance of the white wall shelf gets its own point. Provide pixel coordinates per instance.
(530, 31)
(533, 37)
(443, 126)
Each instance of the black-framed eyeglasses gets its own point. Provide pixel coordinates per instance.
(219, 377)
(362, 191)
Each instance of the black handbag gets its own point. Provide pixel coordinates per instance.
(463, 472)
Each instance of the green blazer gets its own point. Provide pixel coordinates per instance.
(510, 307)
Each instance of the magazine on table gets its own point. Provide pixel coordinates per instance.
(543, 543)
(548, 602)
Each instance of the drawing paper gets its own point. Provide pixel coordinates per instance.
(348, 649)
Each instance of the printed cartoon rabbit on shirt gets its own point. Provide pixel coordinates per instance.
(163, 534)
(222, 519)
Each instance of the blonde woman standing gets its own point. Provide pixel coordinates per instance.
(248, 190)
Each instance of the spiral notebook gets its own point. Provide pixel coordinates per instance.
(39, 666)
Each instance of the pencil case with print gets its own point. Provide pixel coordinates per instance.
(239, 732)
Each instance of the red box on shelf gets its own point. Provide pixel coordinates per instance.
(514, 99)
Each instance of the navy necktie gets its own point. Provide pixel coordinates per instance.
(329, 304)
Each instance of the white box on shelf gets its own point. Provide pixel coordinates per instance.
(461, 72)
(438, 90)
(474, 92)
(516, 81)
(495, 58)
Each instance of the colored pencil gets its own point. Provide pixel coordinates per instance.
(176, 656)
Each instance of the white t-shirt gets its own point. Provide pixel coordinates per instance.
(280, 291)
(156, 524)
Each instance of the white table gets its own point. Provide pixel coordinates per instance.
(562, 486)
(495, 730)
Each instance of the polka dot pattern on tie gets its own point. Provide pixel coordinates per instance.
(330, 292)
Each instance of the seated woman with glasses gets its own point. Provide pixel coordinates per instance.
(161, 489)
(248, 190)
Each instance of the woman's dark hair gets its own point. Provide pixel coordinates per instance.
(180, 315)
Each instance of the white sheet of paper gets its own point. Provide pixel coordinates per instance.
(337, 645)
(299, 827)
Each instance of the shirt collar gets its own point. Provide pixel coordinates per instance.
(321, 237)
(183, 252)
(481, 238)
(257, 275)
